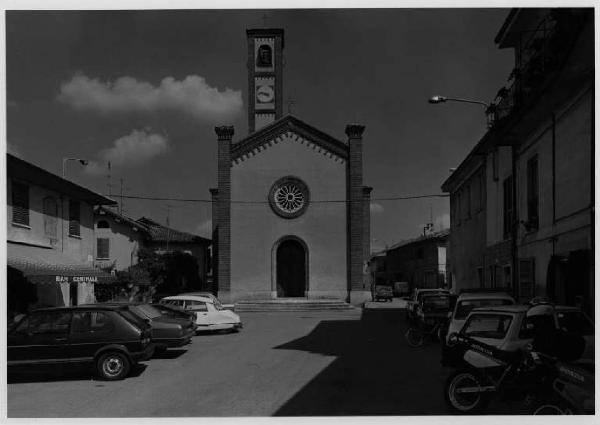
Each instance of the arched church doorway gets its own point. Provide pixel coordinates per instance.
(290, 268)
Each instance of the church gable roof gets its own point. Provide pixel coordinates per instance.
(287, 124)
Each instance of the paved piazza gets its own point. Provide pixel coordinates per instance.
(290, 364)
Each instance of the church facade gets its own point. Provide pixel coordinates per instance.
(291, 216)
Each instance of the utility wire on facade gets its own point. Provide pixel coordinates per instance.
(394, 198)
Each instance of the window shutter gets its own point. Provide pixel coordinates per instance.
(74, 218)
(103, 248)
(20, 203)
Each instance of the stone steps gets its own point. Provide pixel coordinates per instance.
(292, 304)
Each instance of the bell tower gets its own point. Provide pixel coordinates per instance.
(265, 76)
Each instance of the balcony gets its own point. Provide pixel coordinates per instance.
(539, 53)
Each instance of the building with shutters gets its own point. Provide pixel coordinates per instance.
(290, 213)
(50, 237)
(536, 232)
(119, 239)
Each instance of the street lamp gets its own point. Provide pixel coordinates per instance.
(489, 107)
(83, 162)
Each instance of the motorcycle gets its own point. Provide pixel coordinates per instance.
(571, 390)
(487, 371)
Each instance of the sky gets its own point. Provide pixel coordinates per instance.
(144, 90)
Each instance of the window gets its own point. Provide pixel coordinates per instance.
(458, 208)
(481, 277)
(508, 207)
(196, 306)
(420, 253)
(49, 322)
(507, 273)
(495, 164)
(91, 321)
(468, 201)
(492, 272)
(102, 248)
(526, 278)
(493, 326)
(103, 224)
(50, 213)
(532, 194)
(20, 203)
(74, 218)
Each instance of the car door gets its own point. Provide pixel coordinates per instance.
(42, 337)
(90, 331)
(201, 310)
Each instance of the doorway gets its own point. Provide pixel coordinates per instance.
(291, 269)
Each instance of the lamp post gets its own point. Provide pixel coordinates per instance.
(83, 162)
(489, 106)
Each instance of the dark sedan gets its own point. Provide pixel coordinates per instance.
(109, 337)
(167, 332)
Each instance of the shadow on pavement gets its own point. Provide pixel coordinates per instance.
(55, 373)
(375, 373)
(171, 353)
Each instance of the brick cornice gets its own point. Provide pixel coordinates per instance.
(287, 124)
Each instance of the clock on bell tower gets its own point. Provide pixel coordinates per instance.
(265, 85)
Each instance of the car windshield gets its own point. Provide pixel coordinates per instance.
(436, 302)
(148, 310)
(464, 307)
(494, 326)
(575, 322)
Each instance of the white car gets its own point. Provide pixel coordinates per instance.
(215, 300)
(209, 316)
(467, 301)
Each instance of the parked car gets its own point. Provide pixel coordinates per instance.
(415, 299)
(467, 301)
(209, 316)
(504, 327)
(401, 289)
(383, 292)
(108, 337)
(214, 299)
(169, 310)
(167, 332)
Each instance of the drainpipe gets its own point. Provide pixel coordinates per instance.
(515, 224)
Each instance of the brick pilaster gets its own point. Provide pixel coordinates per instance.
(355, 213)
(223, 210)
(366, 190)
(214, 193)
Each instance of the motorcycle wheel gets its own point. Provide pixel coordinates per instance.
(551, 409)
(465, 403)
(414, 337)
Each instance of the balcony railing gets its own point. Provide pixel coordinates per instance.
(540, 52)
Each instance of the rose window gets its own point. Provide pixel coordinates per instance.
(289, 197)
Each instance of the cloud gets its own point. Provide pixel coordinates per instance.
(192, 95)
(134, 149)
(376, 208)
(204, 229)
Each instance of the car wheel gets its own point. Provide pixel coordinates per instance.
(113, 366)
(462, 392)
(414, 337)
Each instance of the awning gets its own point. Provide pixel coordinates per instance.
(46, 265)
